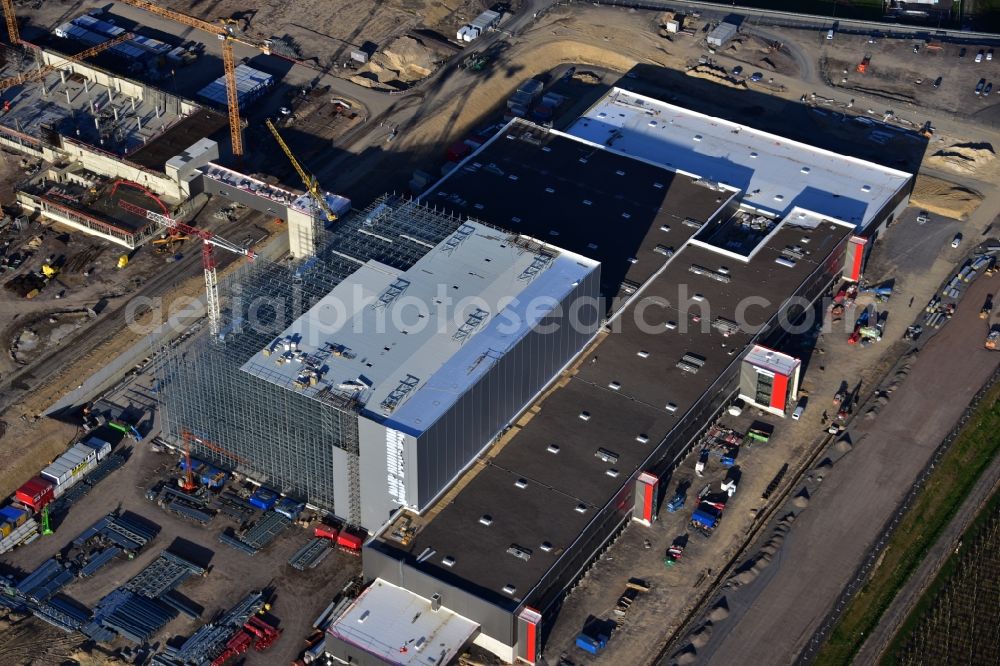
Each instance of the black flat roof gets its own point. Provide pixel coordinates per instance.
(624, 397)
(174, 141)
(580, 197)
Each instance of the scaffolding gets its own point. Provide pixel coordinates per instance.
(262, 426)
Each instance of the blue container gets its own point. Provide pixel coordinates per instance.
(263, 499)
(14, 516)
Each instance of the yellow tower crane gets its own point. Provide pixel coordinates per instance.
(12, 31)
(43, 71)
(225, 30)
(309, 180)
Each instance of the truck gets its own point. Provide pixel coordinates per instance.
(673, 555)
(676, 503)
(707, 516)
(263, 499)
(591, 644)
(993, 338)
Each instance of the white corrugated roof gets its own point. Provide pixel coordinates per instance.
(400, 627)
(775, 174)
(417, 339)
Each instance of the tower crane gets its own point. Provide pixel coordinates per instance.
(12, 31)
(225, 30)
(309, 180)
(43, 71)
(209, 242)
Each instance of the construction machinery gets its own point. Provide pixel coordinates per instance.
(993, 337)
(674, 554)
(210, 242)
(984, 313)
(308, 180)
(43, 71)
(226, 31)
(169, 242)
(927, 130)
(863, 65)
(12, 31)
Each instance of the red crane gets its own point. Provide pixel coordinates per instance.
(209, 242)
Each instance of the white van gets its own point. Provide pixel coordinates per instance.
(829, 34)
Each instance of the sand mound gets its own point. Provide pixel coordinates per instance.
(802, 499)
(843, 444)
(720, 612)
(716, 75)
(963, 157)
(701, 636)
(404, 61)
(945, 198)
(689, 656)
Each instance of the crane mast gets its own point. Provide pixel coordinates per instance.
(226, 32)
(309, 180)
(12, 31)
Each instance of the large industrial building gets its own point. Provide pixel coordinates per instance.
(703, 256)
(367, 378)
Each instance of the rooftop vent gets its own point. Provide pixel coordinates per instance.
(718, 276)
(664, 250)
(615, 386)
(664, 227)
(671, 407)
(697, 137)
(580, 508)
(606, 455)
(785, 261)
(619, 172)
(866, 188)
(448, 561)
(642, 353)
(550, 190)
(587, 202)
(753, 156)
(626, 216)
(670, 325)
(658, 186)
(519, 552)
(691, 363)
(552, 448)
(521, 483)
(486, 519)
(613, 473)
(546, 547)
(642, 438)
(805, 169)
(585, 416)
(509, 589)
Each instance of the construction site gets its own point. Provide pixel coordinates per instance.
(318, 330)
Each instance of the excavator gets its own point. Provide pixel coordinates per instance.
(168, 243)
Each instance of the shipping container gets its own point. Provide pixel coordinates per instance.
(326, 532)
(35, 494)
(5, 530)
(70, 467)
(100, 446)
(289, 508)
(263, 499)
(349, 542)
(13, 515)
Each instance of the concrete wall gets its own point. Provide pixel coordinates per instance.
(301, 233)
(114, 166)
(376, 502)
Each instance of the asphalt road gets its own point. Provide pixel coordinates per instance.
(781, 611)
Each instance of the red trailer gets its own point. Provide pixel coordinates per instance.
(35, 494)
(349, 543)
(326, 532)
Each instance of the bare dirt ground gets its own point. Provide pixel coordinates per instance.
(328, 30)
(301, 596)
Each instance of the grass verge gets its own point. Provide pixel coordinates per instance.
(945, 490)
(942, 580)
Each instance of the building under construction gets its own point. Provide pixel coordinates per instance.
(368, 377)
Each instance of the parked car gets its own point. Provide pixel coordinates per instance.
(756, 76)
(923, 217)
(937, 81)
(957, 240)
(737, 70)
(980, 86)
(979, 56)
(961, 52)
